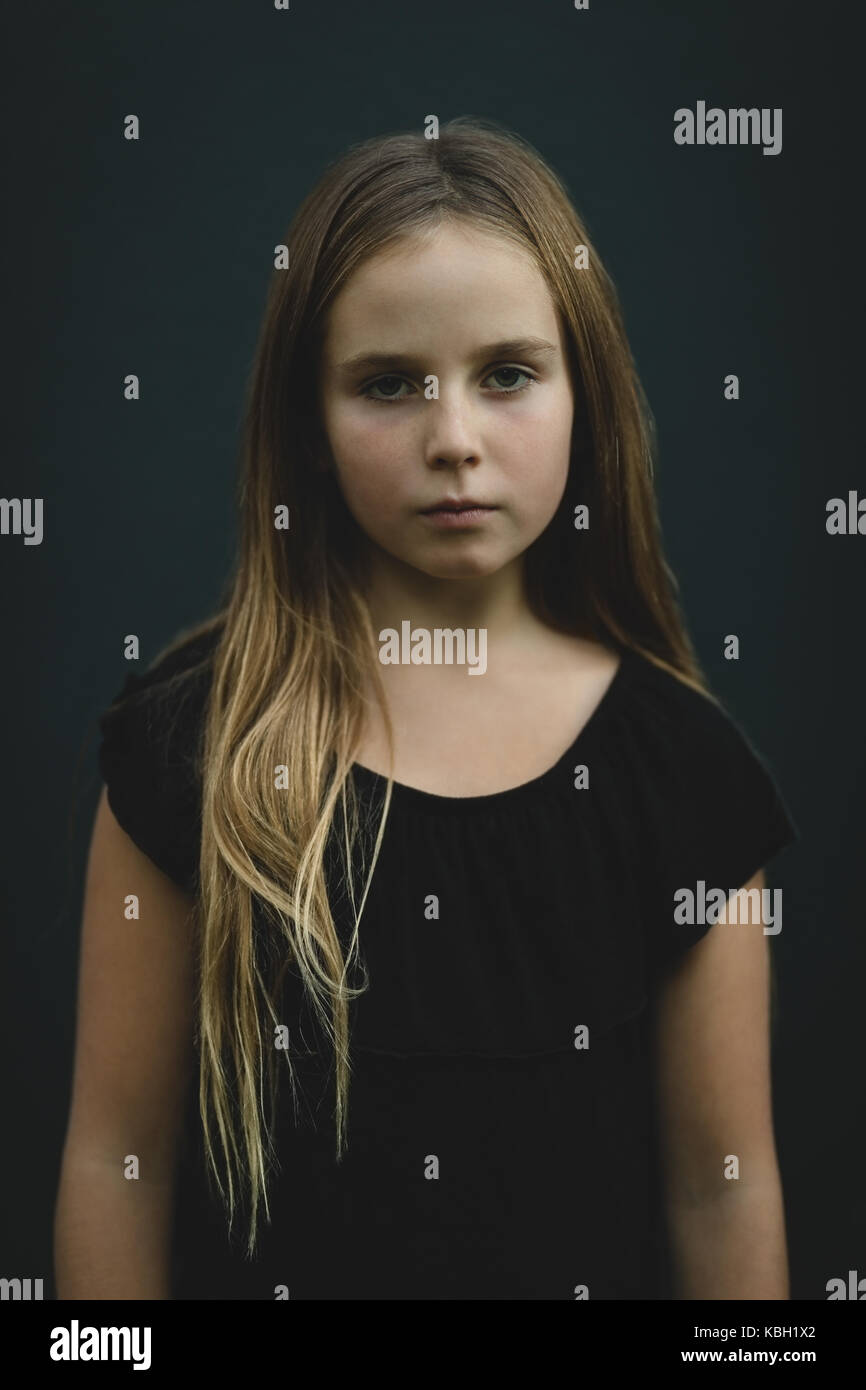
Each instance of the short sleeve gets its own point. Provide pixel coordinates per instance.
(725, 819)
(149, 760)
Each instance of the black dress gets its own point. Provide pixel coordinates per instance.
(492, 1154)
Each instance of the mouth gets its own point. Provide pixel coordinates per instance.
(457, 508)
(465, 517)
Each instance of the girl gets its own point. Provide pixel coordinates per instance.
(460, 918)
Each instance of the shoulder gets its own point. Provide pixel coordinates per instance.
(174, 686)
(710, 809)
(692, 720)
(697, 749)
(150, 750)
(185, 661)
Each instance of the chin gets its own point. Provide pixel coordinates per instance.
(462, 568)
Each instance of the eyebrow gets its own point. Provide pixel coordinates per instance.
(510, 347)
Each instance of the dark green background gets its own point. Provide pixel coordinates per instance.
(153, 257)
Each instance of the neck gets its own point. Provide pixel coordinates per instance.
(397, 593)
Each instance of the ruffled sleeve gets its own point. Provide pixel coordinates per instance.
(717, 818)
(149, 759)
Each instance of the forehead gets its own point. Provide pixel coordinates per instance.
(468, 281)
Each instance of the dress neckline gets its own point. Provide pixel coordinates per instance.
(405, 796)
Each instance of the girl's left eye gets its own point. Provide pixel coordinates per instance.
(498, 371)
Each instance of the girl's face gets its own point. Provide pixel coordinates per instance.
(472, 311)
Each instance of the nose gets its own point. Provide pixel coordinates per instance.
(451, 436)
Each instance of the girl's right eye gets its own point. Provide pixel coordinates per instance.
(386, 399)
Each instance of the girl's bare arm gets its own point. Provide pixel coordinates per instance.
(133, 1064)
(713, 1057)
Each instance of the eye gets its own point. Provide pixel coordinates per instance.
(388, 397)
(506, 391)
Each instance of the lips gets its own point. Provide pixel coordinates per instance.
(465, 504)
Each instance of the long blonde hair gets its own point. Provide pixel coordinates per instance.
(294, 639)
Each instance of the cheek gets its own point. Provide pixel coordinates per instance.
(538, 449)
(368, 459)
